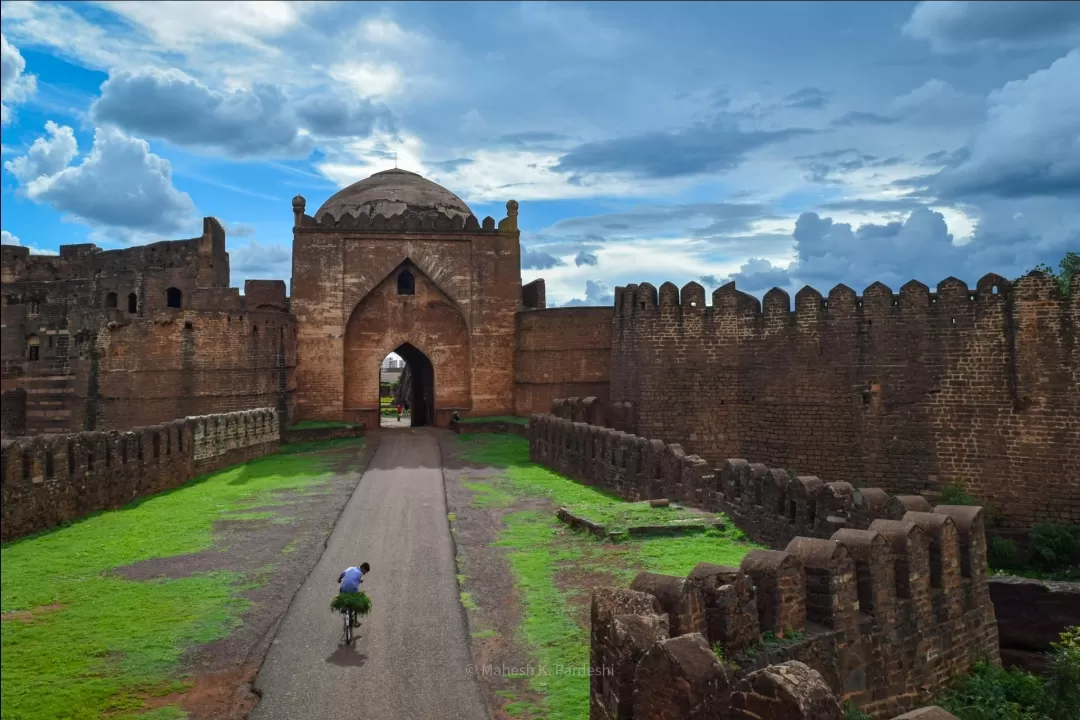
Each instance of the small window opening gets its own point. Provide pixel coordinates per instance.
(111, 300)
(791, 508)
(50, 463)
(693, 303)
(994, 290)
(953, 321)
(133, 303)
(188, 326)
(108, 456)
(406, 284)
(33, 347)
(174, 298)
(157, 446)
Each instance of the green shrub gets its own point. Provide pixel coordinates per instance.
(1054, 547)
(1002, 554)
(991, 693)
(359, 602)
(1063, 676)
(853, 713)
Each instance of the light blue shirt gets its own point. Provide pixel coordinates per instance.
(351, 581)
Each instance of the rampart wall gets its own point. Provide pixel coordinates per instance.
(887, 596)
(561, 352)
(907, 391)
(49, 480)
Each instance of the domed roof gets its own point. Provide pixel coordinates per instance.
(393, 192)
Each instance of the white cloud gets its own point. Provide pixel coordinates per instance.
(368, 79)
(7, 238)
(1030, 142)
(120, 184)
(16, 85)
(47, 156)
(253, 260)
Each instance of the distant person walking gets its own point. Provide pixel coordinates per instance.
(399, 412)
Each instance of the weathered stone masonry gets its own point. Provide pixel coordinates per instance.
(49, 480)
(892, 594)
(906, 391)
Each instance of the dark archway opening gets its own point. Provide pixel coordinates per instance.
(414, 388)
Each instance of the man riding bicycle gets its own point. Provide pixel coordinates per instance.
(352, 577)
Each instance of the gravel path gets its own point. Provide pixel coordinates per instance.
(411, 658)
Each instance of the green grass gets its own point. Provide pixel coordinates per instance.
(496, 418)
(615, 516)
(97, 643)
(318, 424)
(538, 547)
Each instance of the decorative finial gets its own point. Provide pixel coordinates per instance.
(298, 205)
(509, 223)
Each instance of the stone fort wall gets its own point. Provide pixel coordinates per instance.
(562, 352)
(886, 597)
(907, 391)
(49, 480)
(113, 339)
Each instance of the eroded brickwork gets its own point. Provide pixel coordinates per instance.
(120, 338)
(904, 391)
(49, 480)
(562, 352)
(894, 601)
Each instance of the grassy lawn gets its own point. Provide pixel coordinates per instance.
(545, 556)
(621, 515)
(496, 418)
(80, 641)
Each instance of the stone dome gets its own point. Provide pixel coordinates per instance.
(394, 192)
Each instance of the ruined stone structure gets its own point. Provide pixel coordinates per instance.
(886, 597)
(96, 340)
(49, 480)
(905, 391)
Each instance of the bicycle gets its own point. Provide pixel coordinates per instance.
(351, 620)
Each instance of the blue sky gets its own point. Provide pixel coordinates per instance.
(774, 144)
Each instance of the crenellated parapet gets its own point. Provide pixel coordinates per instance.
(952, 297)
(859, 609)
(48, 480)
(905, 389)
(885, 596)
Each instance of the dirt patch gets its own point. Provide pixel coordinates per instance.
(487, 578)
(279, 553)
(27, 616)
(578, 582)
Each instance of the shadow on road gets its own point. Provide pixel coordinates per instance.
(346, 656)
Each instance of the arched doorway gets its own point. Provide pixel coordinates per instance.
(427, 330)
(414, 388)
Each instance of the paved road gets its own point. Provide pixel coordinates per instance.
(410, 659)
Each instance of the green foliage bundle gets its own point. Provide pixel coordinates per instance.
(358, 602)
(991, 693)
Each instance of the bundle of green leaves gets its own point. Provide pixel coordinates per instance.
(358, 602)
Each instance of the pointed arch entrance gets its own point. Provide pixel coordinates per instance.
(408, 314)
(416, 388)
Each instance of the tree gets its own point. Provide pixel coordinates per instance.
(1068, 267)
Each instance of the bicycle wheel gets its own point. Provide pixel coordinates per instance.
(348, 626)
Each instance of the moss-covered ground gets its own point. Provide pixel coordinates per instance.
(81, 641)
(553, 567)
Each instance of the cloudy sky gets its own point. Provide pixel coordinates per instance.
(775, 144)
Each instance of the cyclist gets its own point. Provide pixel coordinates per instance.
(352, 577)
